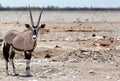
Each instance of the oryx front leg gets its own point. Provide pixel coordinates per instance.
(28, 57)
(7, 72)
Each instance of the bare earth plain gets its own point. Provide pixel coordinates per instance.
(74, 46)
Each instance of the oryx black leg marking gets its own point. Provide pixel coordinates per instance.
(6, 49)
(27, 57)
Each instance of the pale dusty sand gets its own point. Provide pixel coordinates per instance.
(68, 38)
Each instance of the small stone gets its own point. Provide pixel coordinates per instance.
(108, 77)
(57, 46)
(43, 76)
(47, 56)
(74, 76)
(91, 71)
(35, 80)
(116, 64)
(32, 80)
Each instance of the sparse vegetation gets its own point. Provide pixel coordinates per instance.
(57, 8)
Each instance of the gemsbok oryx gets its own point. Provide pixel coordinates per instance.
(21, 41)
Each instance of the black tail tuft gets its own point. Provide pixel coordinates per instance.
(6, 48)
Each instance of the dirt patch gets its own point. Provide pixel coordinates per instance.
(74, 46)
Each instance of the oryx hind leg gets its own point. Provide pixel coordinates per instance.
(28, 57)
(12, 54)
(6, 48)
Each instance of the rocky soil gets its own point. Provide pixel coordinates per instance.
(74, 46)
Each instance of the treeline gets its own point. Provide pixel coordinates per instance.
(56, 8)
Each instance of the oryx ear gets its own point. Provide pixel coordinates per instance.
(42, 26)
(27, 25)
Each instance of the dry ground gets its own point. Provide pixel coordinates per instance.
(81, 46)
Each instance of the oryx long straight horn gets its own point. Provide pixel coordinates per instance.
(31, 16)
(40, 16)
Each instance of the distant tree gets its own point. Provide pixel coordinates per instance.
(1, 6)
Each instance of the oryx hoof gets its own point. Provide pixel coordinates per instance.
(8, 74)
(29, 75)
(16, 74)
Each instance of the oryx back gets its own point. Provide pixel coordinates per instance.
(10, 35)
